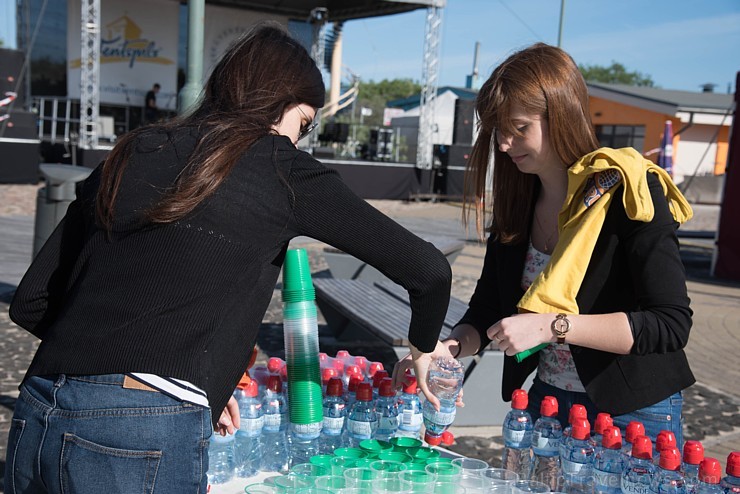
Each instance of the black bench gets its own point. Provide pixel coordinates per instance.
(345, 266)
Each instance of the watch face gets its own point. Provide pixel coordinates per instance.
(561, 325)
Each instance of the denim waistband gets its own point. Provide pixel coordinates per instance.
(115, 379)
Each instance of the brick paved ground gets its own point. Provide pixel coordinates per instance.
(712, 406)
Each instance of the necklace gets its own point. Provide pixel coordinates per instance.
(542, 229)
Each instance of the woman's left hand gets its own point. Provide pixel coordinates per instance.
(521, 332)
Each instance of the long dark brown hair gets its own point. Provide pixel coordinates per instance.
(263, 74)
(544, 80)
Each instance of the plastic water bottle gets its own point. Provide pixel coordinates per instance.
(352, 370)
(444, 380)
(372, 368)
(335, 413)
(377, 378)
(275, 366)
(260, 373)
(248, 442)
(668, 478)
(638, 475)
(220, 459)
(274, 431)
(603, 420)
(351, 395)
(577, 463)
(609, 462)
(517, 432)
(386, 406)
(362, 363)
(327, 373)
(576, 412)
(304, 442)
(546, 438)
(731, 483)
(693, 454)
(633, 429)
(710, 474)
(362, 421)
(665, 440)
(409, 409)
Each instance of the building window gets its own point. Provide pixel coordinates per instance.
(620, 136)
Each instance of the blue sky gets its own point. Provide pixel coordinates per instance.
(681, 44)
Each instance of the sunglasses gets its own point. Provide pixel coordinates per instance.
(308, 128)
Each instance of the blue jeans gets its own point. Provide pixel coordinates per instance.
(87, 434)
(664, 415)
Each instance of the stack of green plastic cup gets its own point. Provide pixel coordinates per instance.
(301, 334)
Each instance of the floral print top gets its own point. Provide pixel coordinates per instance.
(556, 366)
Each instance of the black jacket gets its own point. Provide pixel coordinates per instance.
(635, 268)
(186, 299)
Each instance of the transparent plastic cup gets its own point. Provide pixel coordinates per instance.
(500, 477)
(310, 470)
(331, 482)
(473, 465)
(392, 485)
(445, 472)
(289, 484)
(444, 487)
(313, 490)
(339, 464)
(420, 480)
(360, 477)
(261, 488)
(388, 468)
(473, 482)
(529, 486)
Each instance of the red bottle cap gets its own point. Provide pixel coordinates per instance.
(693, 452)
(611, 437)
(361, 362)
(448, 438)
(733, 464)
(670, 459)
(251, 389)
(665, 439)
(352, 369)
(409, 385)
(335, 387)
(259, 373)
(519, 399)
(710, 471)
(642, 447)
(327, 373)
(338, 365)
(323, 358)
(549, 406)
(342, 354)
(386, 387)
(577, 412)
(374, 367)
(432, 440)
(581, 428)
(378, 376)
(364, 392)
(634, 429)
(274, 365)
(603, 420)
(275, 384)
(353, 382)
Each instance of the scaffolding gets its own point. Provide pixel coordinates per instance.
(90, 74)
(429, 75)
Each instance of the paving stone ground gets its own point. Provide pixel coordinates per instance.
(712, 406)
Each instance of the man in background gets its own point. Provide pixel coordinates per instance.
(151, 112)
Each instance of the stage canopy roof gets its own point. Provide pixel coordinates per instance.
(338, 10)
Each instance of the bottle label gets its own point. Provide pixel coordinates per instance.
(632, 487)
(550, 444)
(411, 420)
(513, 437)
(388, 423)
(273, 421)
(252, 426)
(440, 418)
(571, 467)
(359, 428)
(307, 431)
(333, 425)
(607, 481)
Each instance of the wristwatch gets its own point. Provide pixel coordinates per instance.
(560, 326)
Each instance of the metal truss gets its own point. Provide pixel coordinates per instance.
(90, 74)
(429, 75)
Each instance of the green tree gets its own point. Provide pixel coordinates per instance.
(616, 73)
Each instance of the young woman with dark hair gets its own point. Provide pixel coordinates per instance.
(582, 253)
(148, 296)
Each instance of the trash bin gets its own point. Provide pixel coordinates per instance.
(53, 199)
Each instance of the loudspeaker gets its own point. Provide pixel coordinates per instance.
(462, 130)
(20, 163)
(11, 64)
(381, 144)
(459, 155)
(335, 132)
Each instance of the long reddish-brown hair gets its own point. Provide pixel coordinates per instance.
(544, 80)
(262, 75)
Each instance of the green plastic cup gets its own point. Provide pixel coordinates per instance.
(352, 453)
(373, 447)
(322, 460)
(422, 453)
(364, 462)
(399, 456)
(297, 284)
(438, 459)
(416, 466)
(299, 310)
(339, 464)
(387, 468)
(403, 443)
(291, 483)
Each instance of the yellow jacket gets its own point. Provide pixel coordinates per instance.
(590, 192)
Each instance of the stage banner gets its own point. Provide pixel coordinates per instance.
(138, 48)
